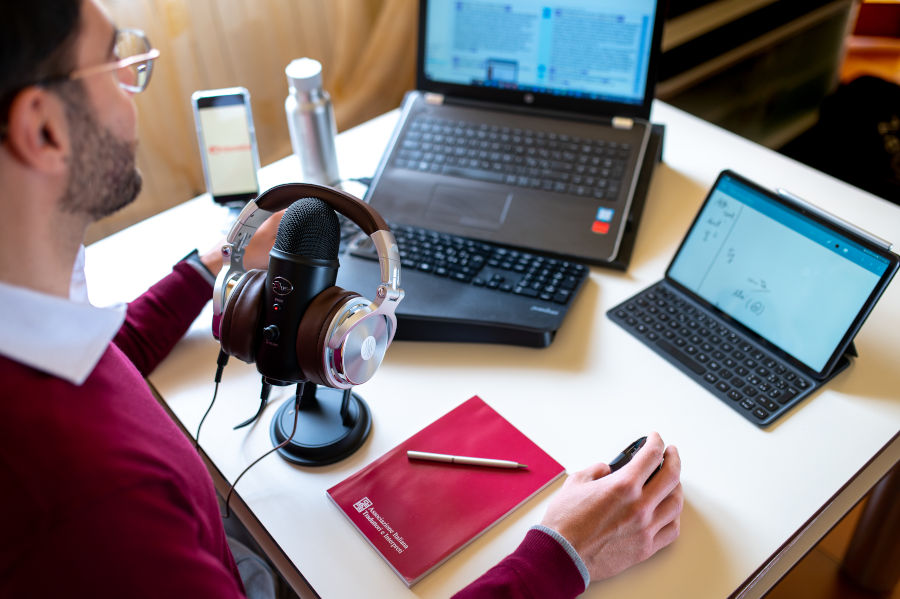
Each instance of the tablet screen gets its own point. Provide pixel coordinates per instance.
(799, 282)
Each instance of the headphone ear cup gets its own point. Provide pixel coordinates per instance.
(312, 334)
(239, 331)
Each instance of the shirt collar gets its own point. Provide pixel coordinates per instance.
(59, 336)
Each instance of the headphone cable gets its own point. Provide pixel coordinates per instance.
(299, 394)
(263, 400)
(221, 362)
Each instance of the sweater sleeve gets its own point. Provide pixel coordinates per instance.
(539, 568)
(151, 546)
(156, 320)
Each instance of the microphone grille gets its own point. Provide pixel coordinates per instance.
(309, 228)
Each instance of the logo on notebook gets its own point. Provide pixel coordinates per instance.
(363, 504)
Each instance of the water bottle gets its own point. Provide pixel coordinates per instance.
(310, 118)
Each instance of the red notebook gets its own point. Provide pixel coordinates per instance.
(417, 514)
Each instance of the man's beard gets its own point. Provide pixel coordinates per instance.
(103, 177)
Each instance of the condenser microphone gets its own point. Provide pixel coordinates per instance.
(302, 263)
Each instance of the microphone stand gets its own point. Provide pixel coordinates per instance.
(332, 424)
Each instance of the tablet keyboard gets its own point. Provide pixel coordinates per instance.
(713, 352)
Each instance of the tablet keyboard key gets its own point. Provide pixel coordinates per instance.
(760, 413)
(678, 355)
(787, 396)
(768, 404)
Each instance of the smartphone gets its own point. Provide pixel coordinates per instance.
(227, 142)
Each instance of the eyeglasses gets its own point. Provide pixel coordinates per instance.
(133, 68)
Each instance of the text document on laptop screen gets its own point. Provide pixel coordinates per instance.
(786, 277)
(592, 49)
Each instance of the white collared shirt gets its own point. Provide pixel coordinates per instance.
(62, 337)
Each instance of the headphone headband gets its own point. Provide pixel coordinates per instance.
(282, 196)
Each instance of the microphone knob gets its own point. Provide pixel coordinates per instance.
(270, 333)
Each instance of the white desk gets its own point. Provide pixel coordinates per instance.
(755, 500)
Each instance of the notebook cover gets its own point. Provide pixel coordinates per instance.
(417, 514)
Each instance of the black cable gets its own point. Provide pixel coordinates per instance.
(300, 387)
(221, 361)
(263, 400)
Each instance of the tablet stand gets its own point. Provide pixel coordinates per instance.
(331, 425)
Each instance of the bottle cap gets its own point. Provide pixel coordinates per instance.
(304, 74)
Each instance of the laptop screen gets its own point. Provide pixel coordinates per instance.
(587, 50)
(800, 284)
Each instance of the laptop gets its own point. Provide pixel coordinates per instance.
(529, 125)
(763, 298)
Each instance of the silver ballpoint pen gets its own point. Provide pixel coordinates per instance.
(458, 459)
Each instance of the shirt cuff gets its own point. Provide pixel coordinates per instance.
(193, 259)
(567, 546)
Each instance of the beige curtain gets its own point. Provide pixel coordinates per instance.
(366, 47)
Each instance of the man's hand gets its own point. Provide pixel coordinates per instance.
(616, 520)
(256, 254)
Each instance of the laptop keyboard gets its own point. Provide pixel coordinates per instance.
(752, 381)
(513, 156)
(494, 268)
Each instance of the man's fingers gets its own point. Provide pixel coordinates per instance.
(647, 459)
(669, 509)
(668, 477)
(592, 472)
(667, 535)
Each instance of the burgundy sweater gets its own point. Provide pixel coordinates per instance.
(538, 569)
(103, 496)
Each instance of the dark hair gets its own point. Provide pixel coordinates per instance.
(36, 39)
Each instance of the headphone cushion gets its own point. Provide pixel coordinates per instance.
(312, 334)
(239, 331)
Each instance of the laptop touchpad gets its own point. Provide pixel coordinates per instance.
(472, 208)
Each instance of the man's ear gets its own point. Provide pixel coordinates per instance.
(38, 132)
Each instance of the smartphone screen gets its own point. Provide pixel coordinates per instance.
(228, 145)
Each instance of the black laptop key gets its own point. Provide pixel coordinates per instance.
(472, 173)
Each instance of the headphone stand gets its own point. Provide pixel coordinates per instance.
(331, 425)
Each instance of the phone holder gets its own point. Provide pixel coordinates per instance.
(331, 425)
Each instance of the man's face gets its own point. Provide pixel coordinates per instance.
(102, 125)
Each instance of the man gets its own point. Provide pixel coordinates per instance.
(102, 494)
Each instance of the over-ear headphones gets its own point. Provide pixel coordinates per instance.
(336, 338)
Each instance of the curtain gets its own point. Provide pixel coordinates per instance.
(366, 47)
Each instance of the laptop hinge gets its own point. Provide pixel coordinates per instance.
(433, 98)
(622, 122)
